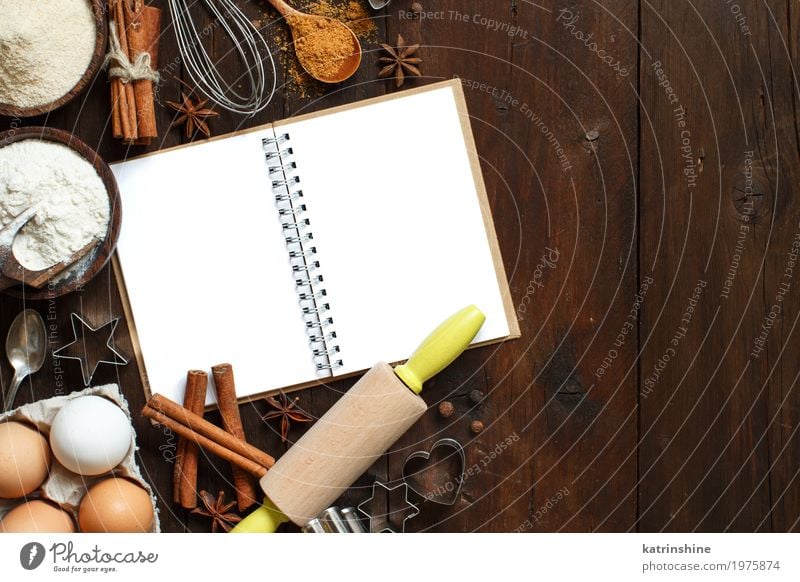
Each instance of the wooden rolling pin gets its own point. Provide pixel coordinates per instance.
(359, 428)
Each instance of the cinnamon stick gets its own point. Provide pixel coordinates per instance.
(127, 99)
(243, 463)
(120, 117)
(121, 114)
(116, 118)
(185, 477)
(143, 32)
(229, 409)
(212, 432)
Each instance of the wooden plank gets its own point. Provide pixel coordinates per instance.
(781, 65)
(576, 368)
(445, 54)
(680, 404)
(510, 75)
(719, 131)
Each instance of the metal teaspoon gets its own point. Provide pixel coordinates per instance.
(26, 345)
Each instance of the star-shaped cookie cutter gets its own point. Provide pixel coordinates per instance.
(67, 352)
(381, 523)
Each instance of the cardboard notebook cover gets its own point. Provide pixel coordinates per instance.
(458, 94)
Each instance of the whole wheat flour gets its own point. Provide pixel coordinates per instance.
(46, 47)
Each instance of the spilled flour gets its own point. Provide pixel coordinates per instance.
(73, 204)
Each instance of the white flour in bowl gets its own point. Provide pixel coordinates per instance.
(45, 48)
(73, 203)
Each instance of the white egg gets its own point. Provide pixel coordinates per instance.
(90, 435)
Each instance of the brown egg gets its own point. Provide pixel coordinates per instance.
(24, 459)
(37, 517)
(116, 505)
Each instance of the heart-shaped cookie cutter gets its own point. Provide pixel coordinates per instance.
(437, 496)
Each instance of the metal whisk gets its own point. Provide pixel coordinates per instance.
(248, 42)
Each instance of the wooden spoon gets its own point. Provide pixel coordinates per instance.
(13, 273)
(296, 19)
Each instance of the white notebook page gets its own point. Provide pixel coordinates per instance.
(397, 223)
(206, 268)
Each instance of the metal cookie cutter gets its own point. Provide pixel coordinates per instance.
(77, 349)
(380, 519)
(446, 491)
(334, 520)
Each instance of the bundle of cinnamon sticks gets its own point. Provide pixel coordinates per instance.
(137, 28)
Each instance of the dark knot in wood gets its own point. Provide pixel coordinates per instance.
(751, 195)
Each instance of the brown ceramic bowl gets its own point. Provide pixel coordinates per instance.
(98, 7)
(86, 268)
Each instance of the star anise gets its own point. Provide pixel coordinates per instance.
(219, 511)
(400, 62)
(285, 409)
(193, 115)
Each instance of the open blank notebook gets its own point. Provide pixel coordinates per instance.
(305, 250)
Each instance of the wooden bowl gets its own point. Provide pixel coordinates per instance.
(86, 268)
(98, 7)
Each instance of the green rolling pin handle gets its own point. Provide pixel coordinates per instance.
(441, 347)
(265, 519)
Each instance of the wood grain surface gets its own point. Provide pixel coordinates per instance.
(642, 161)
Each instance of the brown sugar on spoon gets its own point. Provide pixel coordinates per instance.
(322, 45)
(327, 49)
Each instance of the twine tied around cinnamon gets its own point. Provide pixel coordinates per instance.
(139, 70)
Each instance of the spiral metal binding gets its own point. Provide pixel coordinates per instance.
(297, 225)
(307, 237)
(311, 293)
(303, 254)
(309, 282)
(286, 197)
(292, 211)
(286, 181)
(279, 153)
(318, 295)
(305, 267)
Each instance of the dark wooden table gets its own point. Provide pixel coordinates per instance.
(643, 165)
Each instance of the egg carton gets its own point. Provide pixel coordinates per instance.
(63, 486)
